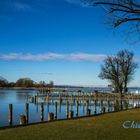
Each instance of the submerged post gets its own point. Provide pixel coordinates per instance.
(10, 116)
(42, 111)
(87, 104)
(108, 105)
(26, 99)
(55, 110)
(22, 120)
(95, 103)
(27, 112)
(88, 112)
(67, 109)
(71, 114)
(60, 100)
(83, 98)
(101, 106)
(126, 104)
(50, 116)
(77, 104)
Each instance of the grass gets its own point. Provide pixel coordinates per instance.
(104, 127)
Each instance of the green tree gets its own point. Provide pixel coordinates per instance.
(24, 82)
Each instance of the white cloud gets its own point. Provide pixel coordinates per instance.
(51, 56)
(19, 6)
(82, 3)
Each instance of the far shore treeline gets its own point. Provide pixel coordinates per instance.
(24, 83)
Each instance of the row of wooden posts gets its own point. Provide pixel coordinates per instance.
(69, 113)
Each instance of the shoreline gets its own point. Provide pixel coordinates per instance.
(18, 88)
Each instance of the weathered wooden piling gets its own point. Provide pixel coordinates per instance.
(22, 120)
(55, 110)
(47, 99)
(101, 106)
(10, 114)
(95, 103)
(126, 104)
(71, 98)
(26, 99)
(41, 111)
(27, 112)
(87, 105)
(77, 106)
(60, 100)
(83, 99)
(71, 114)
(88, 112)
(116, 105)
(108, 105)
(67, 109)
(35, 99)
(50, 116)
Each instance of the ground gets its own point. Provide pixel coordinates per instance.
(103, 127)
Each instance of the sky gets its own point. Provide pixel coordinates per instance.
(64, 41)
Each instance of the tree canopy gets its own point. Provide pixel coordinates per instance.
(119, 70)
(122, 12)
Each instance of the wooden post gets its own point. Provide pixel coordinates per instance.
(26, 99)
(88, 112)
(83, 98)
(67, 109)
(42, 111)
(35, 99)
(108, 105)
(32, 99)
(101, 106)
(95, 103)
(47, 99)
(117, 105)
(22, 120)
(27, 112)
(50, 116)
(126, 104)
(60, 100)
(71, 98)
(55, 110)
(87, 104)
(71, 114)
(77, 104)
(10, 116)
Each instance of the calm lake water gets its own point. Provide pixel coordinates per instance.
(18, 99)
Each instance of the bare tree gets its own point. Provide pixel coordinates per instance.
(122, 12)
(119, 70)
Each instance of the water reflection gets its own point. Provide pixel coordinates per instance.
(18, 99)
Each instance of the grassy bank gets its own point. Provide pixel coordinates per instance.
(104, 127)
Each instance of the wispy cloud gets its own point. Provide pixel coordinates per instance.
(51, 56)
(20, 6)
(82, 3)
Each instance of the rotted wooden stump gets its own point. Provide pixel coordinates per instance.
(88, 112)
(50, 116)
(22, 120)
(71, 114)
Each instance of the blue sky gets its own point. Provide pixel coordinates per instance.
(60, 40)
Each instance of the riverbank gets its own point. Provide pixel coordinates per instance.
(105, 127)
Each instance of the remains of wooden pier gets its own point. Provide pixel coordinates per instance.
(105, 101)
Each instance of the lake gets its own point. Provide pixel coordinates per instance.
(18, 99)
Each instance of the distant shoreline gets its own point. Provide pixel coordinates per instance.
(18, 88)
